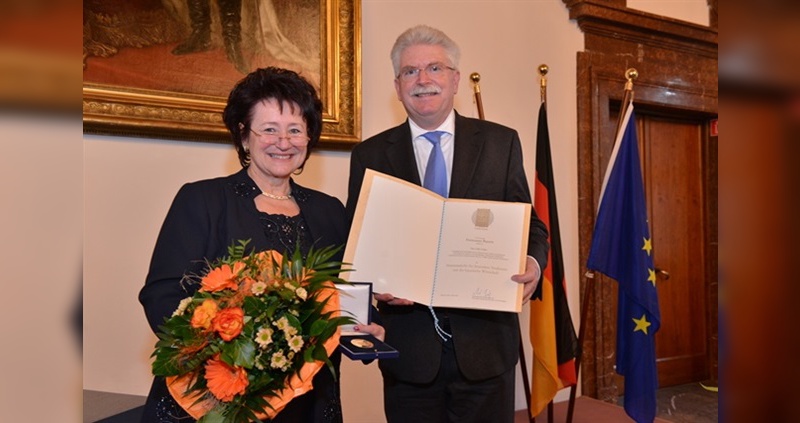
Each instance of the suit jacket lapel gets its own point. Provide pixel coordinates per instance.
(466, 155)
(400, 154)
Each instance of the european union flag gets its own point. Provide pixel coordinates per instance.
(622, 249)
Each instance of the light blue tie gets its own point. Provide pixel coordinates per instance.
(436, 181)
(435, 171)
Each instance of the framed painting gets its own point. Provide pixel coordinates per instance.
(164, 68)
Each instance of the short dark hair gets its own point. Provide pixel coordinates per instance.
(287, 88)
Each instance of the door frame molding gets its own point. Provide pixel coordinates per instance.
(677, 65)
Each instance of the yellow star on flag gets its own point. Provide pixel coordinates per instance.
(652, 277)
(641, 324)
(648, 245)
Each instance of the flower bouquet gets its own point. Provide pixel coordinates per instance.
(254, 334)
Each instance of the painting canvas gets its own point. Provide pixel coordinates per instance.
(163, 68)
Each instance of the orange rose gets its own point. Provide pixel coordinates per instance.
(229, 322)
(225, 381)
(204, 314)
(218, 279)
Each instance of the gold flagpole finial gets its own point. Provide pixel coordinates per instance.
(630, 75)
(627, 95)
(543, 69)
(475, 77)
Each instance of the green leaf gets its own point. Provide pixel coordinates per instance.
(240, 352)
(213, 416)
(166, 362)
(317, 328)
(308, 355)
(320, 354)
(293, 320)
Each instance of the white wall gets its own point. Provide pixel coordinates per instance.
(40, 257)
(695, 11)
(130, 182)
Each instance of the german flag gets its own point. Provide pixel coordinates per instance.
(552, 333)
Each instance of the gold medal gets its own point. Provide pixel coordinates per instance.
(361, 343)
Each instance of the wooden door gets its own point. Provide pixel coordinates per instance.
(676, 92)
(672, 167)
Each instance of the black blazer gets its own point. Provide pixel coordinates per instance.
(487, 165)
(204, 219)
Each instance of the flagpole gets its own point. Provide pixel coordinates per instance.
(543, 69)
(588, 289)
(476, 78)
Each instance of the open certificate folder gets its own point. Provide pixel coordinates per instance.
(417, 245)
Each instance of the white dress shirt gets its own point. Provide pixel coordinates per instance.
(423, 147)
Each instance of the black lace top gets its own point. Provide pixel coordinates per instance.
(285, 232)
(282, 232)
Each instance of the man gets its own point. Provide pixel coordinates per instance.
(230, 13)
(455, 365)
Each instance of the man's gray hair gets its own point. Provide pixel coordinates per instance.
(424, 35)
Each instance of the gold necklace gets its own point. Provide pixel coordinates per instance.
(277, 197)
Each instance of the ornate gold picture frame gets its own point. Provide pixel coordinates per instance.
(117, 109)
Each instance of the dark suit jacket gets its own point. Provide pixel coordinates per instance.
(205, 218)
(487, 165)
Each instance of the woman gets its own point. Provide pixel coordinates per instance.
(275, 120)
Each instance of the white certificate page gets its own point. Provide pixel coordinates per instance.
(482, 245)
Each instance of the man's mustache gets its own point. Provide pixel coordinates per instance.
(426, 89)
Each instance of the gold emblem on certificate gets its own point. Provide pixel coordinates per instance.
(361, 343)
(482, 218)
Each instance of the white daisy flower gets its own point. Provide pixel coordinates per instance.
(296, 343)
(264, 337)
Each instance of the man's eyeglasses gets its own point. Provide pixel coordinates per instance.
(271, 135)
(433, 70)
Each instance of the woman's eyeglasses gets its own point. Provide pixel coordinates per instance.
(294, 136)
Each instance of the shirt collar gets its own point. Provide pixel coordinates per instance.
(448, 126)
